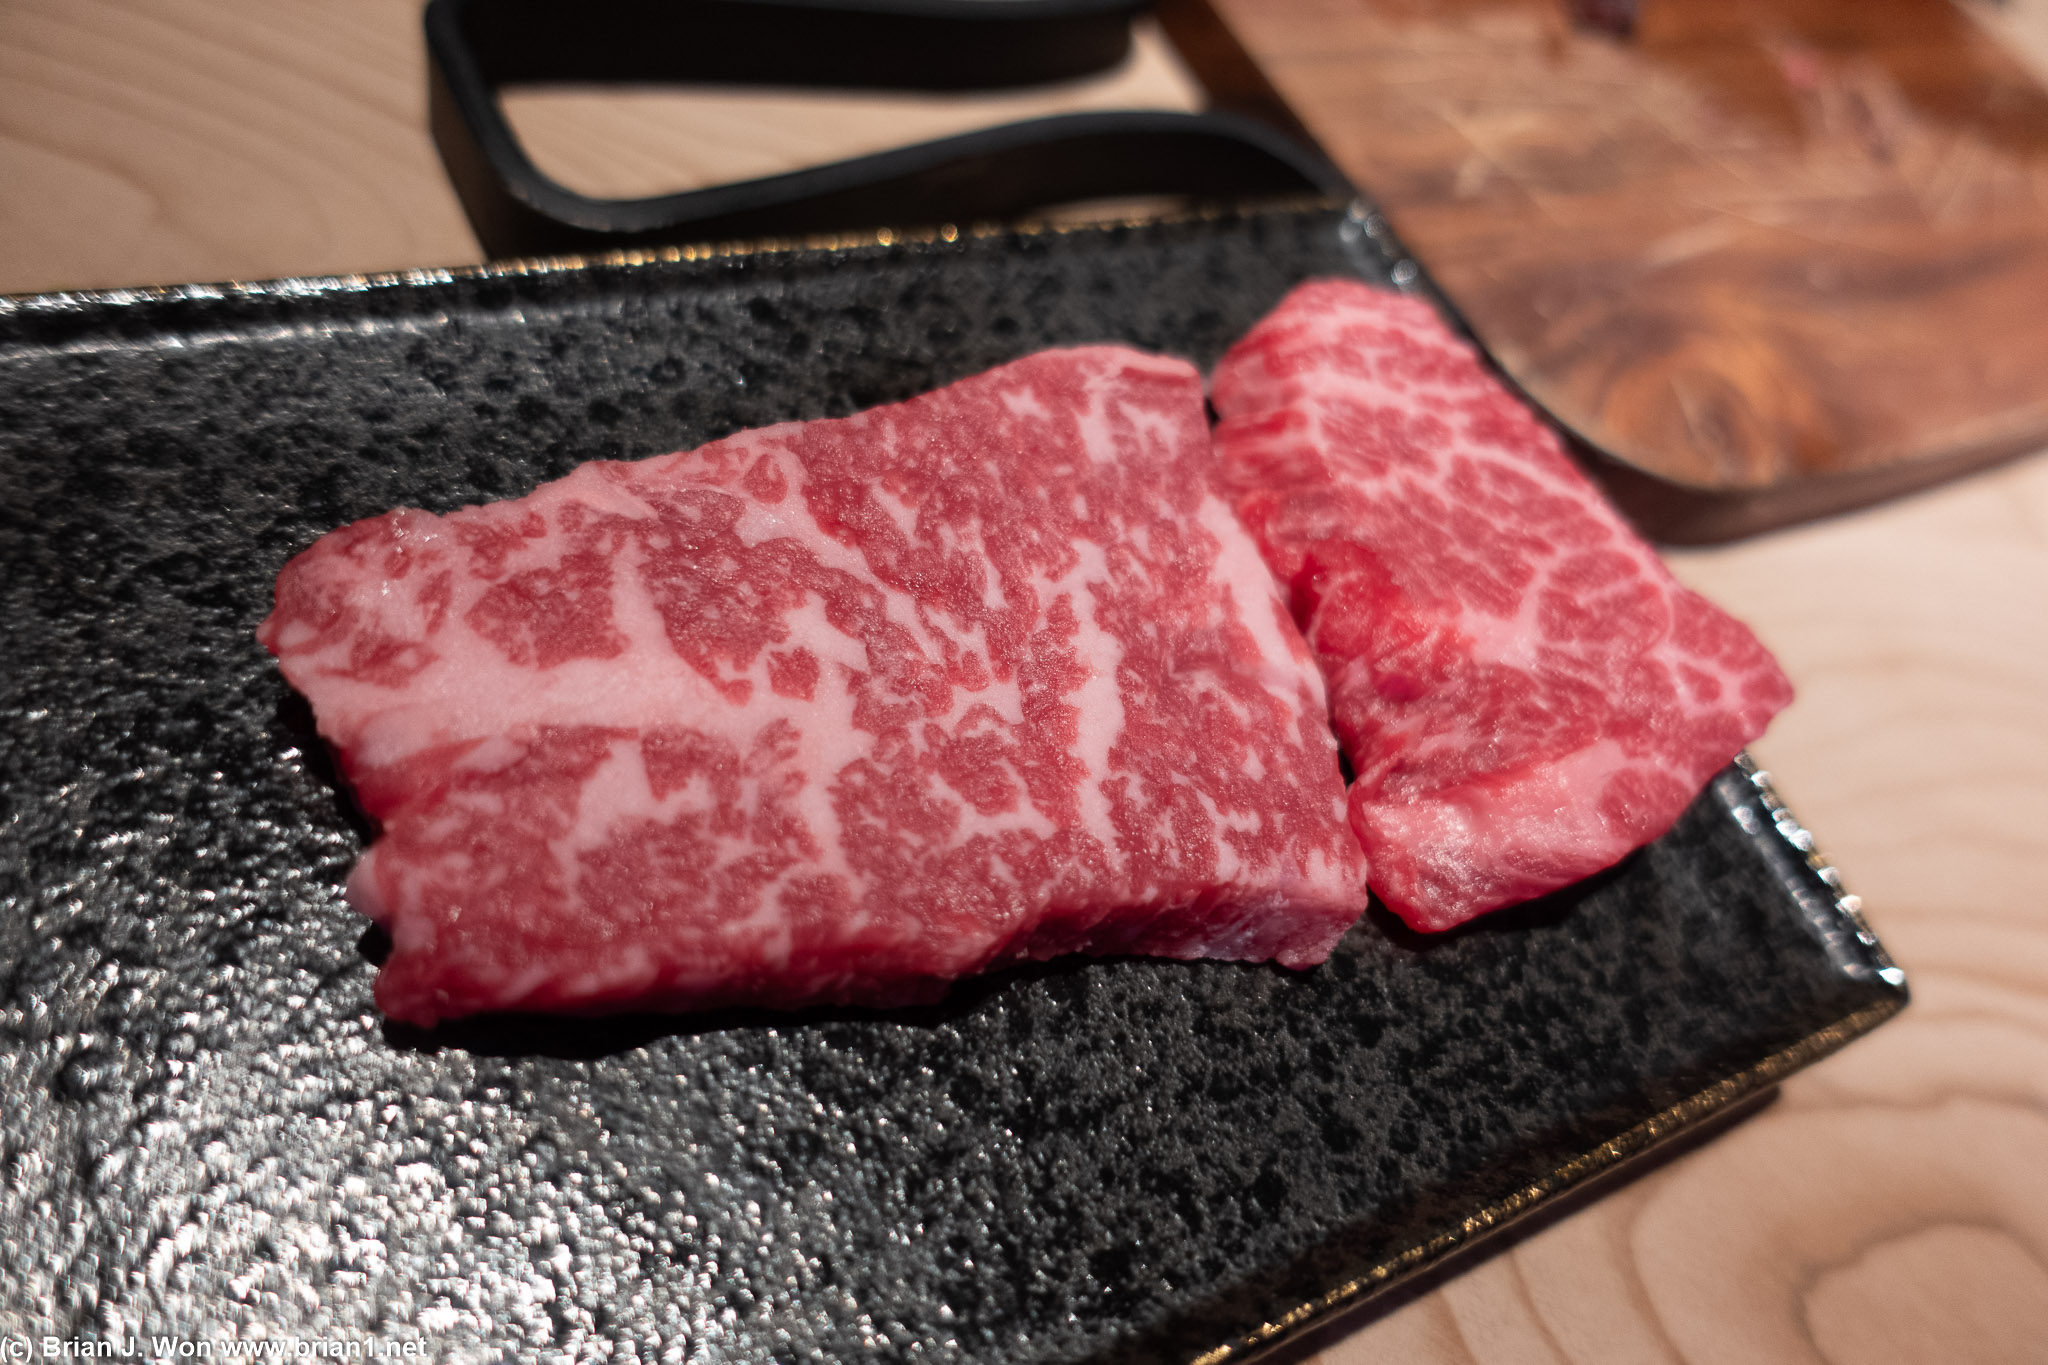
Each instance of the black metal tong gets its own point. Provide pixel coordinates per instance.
(477, 47)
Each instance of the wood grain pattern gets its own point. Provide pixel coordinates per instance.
(2019, 26)
(200, 140)
(1888, 1209)
(1758, 242)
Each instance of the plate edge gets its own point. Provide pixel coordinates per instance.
(15, 305)
(1633, 1142)
(1847, 904)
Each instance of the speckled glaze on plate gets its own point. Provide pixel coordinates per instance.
(208, 1131)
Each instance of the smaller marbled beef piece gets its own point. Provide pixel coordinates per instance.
(835, 711)
(1523, 690)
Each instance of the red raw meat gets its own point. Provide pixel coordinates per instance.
(834, 711)
(1523, 690)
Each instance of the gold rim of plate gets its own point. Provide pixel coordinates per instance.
(943, 234)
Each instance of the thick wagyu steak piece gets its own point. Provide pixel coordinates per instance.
(834, 711)
(1523, 690)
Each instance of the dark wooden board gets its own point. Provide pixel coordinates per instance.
(1779, 257)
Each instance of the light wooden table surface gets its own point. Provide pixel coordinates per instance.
(1892, 1206)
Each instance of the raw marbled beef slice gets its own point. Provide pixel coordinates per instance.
(831, 711)
(1524, 691)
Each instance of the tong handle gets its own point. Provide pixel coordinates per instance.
(477, 46)
(851, 44)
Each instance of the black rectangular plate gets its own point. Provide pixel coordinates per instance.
(208, 1130)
